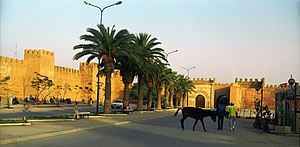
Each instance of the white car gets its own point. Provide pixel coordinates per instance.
(117, 104)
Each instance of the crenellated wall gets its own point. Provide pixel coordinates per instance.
(69, 76)
(41, 61)
(15, 69)
(242, 92)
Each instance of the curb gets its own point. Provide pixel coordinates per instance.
(16, 124)
(96, 116)
(142, 112)
(113, 115)
(49, 120)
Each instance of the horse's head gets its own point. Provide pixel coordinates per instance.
(214, 116)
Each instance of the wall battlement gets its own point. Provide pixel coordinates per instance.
(10, 60)
(86, 64)
(237, 80)
(249, 83)
(38, 51)
(277, 86)
(223, 84)
(204, 80)
(66, 70)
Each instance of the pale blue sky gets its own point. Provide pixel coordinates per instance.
(224, 39)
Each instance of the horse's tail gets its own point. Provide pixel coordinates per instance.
(177, 111)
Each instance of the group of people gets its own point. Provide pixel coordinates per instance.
(232, 115)
(33, 100)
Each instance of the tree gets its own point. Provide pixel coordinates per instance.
(105, 45)
(172, 86)
(128, 66)
(26, 83)
(151, 52)
(4, 87)
(183, 85)
(41, 83)
(162, 77)
(3, 81)
(66, 89)
(58, 89)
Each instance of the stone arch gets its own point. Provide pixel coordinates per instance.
(224, 97)
(201, 96)
(200, 101)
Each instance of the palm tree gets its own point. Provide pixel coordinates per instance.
(183, 85)
(188, 88)
(162, 78)
(106, 45)
(171, 88)
(128, 69)
(168, 86)
(144, 42)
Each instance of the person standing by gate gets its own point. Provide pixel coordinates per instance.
(232, 116)
(221, 113)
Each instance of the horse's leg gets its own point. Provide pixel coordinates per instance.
(195, 124)
(182, 121)
(203, 125)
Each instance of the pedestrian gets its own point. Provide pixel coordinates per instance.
(221, 113)
(232, 116)
(76, 116)
(0, 100)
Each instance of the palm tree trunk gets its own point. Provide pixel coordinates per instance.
(150, 97)
(180, 100)
(108, 70)
(107, 103)
(159, 89)
(126, 94)
(167, 96)
(141, 83)
(184, 98)
(171, 97)
(127, 78)
(176, 100)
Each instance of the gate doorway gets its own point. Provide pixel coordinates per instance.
(222, 99)
(200, 101)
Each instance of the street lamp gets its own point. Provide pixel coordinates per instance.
(188, 70)
(259, 86)
(187, 95)
(101, 10)
(292, 82)
(167, 54)
(98, 74)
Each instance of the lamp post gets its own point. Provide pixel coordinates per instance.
(98, 75)
(259, 86)
(188, 70)
(167, 54)
(101, 10)
(187, 95)
(292, 82)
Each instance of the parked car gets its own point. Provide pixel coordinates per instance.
(117, 104)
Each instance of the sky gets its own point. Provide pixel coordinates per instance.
(223, 39)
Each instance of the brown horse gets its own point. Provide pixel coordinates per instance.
(196, 113)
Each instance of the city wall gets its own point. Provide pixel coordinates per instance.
(40, 61)
(242, 92)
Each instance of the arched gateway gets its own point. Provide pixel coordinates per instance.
(200, 101)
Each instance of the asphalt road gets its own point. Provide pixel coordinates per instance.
(162, 129)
